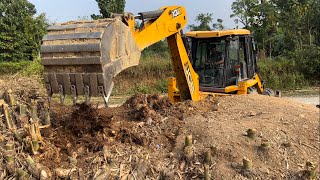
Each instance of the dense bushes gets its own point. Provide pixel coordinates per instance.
(13, 67)
(308, 63)
(21, 31)
(281, 73)
(25, 68)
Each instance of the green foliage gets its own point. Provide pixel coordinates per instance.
(12, 67)
(281, 74)
(21, 31)
(245, 11)
(205, 21)
(107, 7)
(159, 49)
(294, 22)
(150, 65)
(308, 63)
(284, 29)
(25, 68)
(219, 25)
(35, 68)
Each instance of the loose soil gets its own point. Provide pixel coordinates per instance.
(145, 139)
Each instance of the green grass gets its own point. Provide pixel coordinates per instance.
(281, 74)
(151, 75)
(13, 67)
(25, 68)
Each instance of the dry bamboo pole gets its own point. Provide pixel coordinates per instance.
(207, 162)
(7, 116)
(1, 138)
(11, 99)
(206, 172)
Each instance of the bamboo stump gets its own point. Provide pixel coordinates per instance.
(188, 149)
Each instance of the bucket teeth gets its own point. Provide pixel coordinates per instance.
(62, 96)
(48, 87)
(87, 94)
(74, 94)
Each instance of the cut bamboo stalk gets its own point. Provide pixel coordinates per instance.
(247, 163)
(34, 113)
(11, 99)
(63, 173)
(34, 143)
(188, 152)
(311, 170)
(251, 133)
(188, 140)
(37, 170)
(7, 116)
(17, 135)
(38, 133)
(207, 157)
(206, 172)
(47, 119)
(9, 153)
(22, 175)
(1, 138)
(264, 146)
(22, 109)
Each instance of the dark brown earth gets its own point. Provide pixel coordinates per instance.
(145, 139)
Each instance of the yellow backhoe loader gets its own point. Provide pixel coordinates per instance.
(83, 57)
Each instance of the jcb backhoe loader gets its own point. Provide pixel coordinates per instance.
(83, 57)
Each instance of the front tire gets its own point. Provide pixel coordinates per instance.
(268, 92)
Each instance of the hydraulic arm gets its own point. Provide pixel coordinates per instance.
(83, 57)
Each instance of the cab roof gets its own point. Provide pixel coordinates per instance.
(211, 34)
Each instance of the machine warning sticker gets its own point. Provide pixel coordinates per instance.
(189, 78)
(176, 13)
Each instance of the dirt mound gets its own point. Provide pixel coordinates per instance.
(145, 138)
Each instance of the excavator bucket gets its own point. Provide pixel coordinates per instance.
(81, 58)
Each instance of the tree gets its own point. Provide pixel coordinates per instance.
(107, 7)
(245, 11)
(218, 25)
(204, 20)
(21, 31)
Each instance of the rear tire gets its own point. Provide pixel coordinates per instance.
(252, 90)
(268, 92)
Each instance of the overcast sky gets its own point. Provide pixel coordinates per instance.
(66, 10)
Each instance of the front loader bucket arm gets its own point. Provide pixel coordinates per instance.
(81, 58)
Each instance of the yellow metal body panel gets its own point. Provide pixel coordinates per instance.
(211, 34)
(172, 20)
(187, 79)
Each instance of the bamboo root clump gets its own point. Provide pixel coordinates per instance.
(20, 124)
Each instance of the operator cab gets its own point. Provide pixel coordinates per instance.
(222, 58)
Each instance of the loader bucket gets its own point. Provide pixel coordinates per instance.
(81, 58)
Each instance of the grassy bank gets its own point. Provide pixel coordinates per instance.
(154, 69)
(25, 68)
